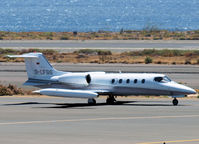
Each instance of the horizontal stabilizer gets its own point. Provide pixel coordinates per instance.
(23, 56)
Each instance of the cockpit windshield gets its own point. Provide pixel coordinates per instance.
(164, 79)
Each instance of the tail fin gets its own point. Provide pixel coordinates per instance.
(37, 66)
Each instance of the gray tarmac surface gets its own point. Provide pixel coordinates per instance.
(49, 120)
(187, 74)
(35, 120)
(113, 45)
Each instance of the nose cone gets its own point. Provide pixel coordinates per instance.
(188, 90)
(185, 89)
(181, 89)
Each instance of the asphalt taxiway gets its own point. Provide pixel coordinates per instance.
(113, 45)
(31, 120)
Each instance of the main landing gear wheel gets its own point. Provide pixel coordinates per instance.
(175, 102)
(110, 100)
(91, 101)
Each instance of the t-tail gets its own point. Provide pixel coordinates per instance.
(38, 68)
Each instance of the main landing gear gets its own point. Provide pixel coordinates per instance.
(91, 101)
(110, 100)
(175, 102)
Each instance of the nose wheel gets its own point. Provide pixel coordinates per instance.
(175, 102)
(91, 101)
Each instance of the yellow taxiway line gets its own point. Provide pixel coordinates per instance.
(175, 141)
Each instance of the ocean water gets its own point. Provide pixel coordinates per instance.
(94, 15)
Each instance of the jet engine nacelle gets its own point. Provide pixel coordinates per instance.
(74, 78)
(67, 93)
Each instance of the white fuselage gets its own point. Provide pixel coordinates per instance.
(120, 84)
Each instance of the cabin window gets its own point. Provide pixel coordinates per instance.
(135, 80)
(120, 80)
(128, 81)
(113, 81)
(143, 80)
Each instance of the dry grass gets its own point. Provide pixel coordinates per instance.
(11, 90)
(119, 58)
(105, 56)
(147, 34)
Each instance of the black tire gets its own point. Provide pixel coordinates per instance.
(91, 101)
(110, 100)
(175, 102)
(94, 102)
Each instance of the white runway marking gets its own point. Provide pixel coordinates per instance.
(95, 119)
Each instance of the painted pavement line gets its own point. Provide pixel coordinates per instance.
(175, 141)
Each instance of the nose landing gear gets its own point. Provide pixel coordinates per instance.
(175, 102)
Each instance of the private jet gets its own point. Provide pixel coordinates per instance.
(90, 85)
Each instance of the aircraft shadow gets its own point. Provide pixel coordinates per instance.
(67, 105)
(25, 103)
(82, 105)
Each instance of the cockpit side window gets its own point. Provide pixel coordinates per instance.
(158, 79)
(164, 79)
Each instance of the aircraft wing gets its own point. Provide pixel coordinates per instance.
(70, 93)
(102, 92)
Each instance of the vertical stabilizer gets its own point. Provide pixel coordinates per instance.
(37, 66)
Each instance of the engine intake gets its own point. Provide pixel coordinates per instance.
(88, 78)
